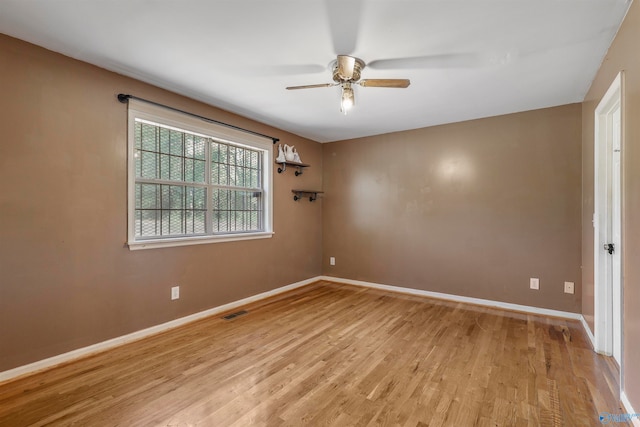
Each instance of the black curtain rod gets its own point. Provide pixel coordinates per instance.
(125, 98)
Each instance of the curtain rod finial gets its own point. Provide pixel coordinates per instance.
(123, 98)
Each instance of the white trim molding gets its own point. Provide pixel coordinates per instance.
(118, 341)
(627, 406)
(587, 329)
(134, 336)
(197, 240)
(602, 264)
(458, 298)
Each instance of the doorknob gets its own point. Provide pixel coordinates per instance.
(609, 248)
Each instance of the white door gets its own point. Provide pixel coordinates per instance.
(607, 222)
(616, 217)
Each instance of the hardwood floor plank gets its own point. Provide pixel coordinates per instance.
(338, 355)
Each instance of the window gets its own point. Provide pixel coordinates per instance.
(193, 182)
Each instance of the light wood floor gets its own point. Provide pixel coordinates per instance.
(331, 354)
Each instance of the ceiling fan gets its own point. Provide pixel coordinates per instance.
(346, 72)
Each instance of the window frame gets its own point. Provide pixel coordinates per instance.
(145, 111)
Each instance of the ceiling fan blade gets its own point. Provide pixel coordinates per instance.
(346, 66)
(311, 86)
(279, 70)
(394, 83)
(344, 22)
(459, 60)
(292, 69)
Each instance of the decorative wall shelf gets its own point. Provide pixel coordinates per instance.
(299, 194)
(299, 166)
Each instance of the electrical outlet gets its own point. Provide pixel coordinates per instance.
(175, 292)
(534, 283)
(332, 260)
(569, 287)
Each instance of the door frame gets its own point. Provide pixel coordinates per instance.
(603, 287)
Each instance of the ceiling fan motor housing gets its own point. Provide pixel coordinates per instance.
(353, 75)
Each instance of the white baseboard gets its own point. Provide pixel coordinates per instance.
(627, 406)
(134, 336)
(458, 298)
(587, 329)
(105, 345)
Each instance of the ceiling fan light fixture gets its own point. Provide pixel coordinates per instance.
(346, 72)
(348, 99)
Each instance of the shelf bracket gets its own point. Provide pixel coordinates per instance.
(299, 194)
(299, 166)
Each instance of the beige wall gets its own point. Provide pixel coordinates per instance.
(473, 208)
(622, 55)
(67, 279)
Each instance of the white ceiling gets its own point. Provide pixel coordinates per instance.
(477, 58)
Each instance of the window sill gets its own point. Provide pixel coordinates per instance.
(201, 240)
